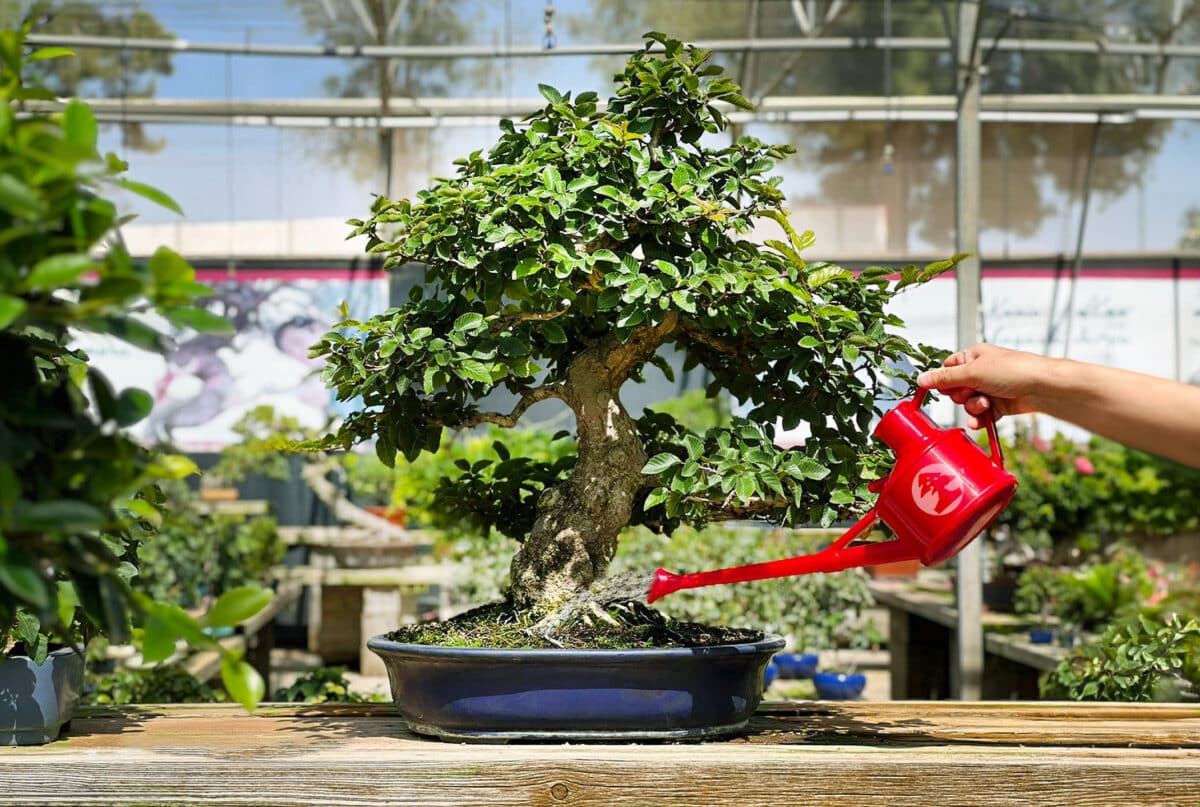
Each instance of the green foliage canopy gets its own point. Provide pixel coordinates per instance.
(593, 225)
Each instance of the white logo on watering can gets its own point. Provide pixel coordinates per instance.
(937, 489)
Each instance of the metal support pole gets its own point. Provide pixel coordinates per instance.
(967, 674)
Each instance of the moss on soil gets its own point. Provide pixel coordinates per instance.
(499, 625)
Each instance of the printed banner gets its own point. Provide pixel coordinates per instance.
(209, 382)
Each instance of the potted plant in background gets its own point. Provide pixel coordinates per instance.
(76, 494)
(1038, 590)
(560, 266)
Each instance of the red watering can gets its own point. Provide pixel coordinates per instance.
(942, 492)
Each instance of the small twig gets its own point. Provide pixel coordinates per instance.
(508, 421)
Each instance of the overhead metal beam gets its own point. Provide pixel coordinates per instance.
(1066, 46)
(1067, 109)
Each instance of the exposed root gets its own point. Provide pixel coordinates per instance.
(618, 588)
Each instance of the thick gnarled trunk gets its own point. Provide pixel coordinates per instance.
(578, 522)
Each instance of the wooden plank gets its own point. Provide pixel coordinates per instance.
(820, 753)
(238, 507)
(421, 575)
(1017, 648)
(351, 537)
(939, 608)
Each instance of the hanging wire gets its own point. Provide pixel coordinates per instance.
(549, 38)
(230, 195)
(889, 151)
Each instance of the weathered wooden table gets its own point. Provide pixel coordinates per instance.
(795, 753)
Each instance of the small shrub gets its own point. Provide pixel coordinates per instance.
(321, 685)
(165, 684)
(1138, 660)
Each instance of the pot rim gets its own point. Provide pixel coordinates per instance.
(381, 644)
(62, 651)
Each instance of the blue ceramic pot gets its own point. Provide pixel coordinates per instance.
(839, 686)
(769, 675)
(37, 699)
(1041, 635)
(796, 665)
(495, 695)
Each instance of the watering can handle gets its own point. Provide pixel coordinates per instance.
(989, 419)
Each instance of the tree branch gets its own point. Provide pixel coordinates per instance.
(723, 511)
(643, 342)
(504, 323)
(314, 475)
(508, 421)
(702, 337)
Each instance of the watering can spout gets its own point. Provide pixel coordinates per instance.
(837, 557)
(664, 583)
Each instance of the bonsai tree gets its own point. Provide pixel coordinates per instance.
(588, 243)
(76, 493)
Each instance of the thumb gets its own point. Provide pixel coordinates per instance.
(943, 378)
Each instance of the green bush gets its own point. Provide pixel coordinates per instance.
(194, 552)
(321, 685)
(1140, 659)
(1088, 597)
(165, 684)
(1081, 498)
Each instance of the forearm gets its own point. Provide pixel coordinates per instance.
(1146, 412)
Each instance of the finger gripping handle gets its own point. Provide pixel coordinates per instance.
(989, 418)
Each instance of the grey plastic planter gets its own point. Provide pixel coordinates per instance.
(35, 701)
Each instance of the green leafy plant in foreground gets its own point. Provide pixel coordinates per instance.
(562, 262)
(75, 490)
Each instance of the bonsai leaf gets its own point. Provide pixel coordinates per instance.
(242, 682)
(237, 605)
(659, 463)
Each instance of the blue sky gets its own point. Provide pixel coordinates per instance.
(220, 173)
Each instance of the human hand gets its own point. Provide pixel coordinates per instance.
(987, 377)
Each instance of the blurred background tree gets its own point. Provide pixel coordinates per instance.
(906, 165)
(96, 72)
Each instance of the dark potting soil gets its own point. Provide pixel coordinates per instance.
(634, 625)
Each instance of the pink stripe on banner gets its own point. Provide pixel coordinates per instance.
(1041, 273)
(299, 273)
(1116, 273)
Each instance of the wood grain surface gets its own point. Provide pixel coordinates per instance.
(800, 753)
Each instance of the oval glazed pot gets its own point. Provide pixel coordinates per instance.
(796, 665)
(839, 686)
(478, 694)
(35, 701)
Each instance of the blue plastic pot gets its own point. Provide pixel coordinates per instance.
(796, 665)
(770, 674)
(1041, 635)
(839, 686)
(487, 695)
